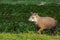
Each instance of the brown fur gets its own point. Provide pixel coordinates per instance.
(44, 22)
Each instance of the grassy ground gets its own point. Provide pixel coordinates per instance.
(27, 36)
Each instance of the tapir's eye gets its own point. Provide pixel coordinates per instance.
(32, 17)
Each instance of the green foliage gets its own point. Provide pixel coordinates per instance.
(14, 18)
(28, 1)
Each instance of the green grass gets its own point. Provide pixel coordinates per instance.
(28, 36)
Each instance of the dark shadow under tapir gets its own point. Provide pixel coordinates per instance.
(43, 22)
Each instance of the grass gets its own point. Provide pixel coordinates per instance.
(28, 36)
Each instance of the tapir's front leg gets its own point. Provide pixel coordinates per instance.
(39, 31)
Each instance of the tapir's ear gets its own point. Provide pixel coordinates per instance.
(35, 13)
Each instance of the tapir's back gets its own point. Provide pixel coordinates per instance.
(47, 22)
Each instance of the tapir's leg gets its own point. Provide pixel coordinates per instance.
(39, 31)
(52, 30)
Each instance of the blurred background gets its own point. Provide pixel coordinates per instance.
(14, 14)
(28, 1)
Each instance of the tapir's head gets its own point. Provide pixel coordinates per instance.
(33, 17)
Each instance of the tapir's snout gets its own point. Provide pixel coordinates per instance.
(29, 19)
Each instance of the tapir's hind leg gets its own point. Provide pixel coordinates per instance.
(53, 30)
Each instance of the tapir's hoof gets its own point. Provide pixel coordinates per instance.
(39, 32)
